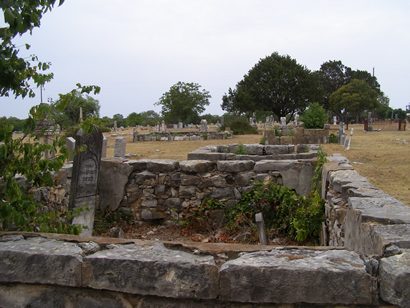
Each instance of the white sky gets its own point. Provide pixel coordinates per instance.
(135, 50)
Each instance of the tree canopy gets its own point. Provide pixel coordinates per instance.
(352, 99)
(19, 73)
(277, 84)
(184, 102)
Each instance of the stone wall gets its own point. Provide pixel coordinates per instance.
(297, 135)
(76, 272)
(180, 136)
(166, 189)
(371, 270)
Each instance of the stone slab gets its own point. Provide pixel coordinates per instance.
(196, 166)
(385, 210)
(394, 278)
(112, 171)
(152, 270)
(235, 166)
(298, 276)
(40, 260)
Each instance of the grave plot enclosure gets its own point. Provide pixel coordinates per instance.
(164, 189)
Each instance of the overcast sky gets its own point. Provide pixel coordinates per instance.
(136, 50)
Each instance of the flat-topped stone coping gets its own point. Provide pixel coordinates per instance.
(316, 276)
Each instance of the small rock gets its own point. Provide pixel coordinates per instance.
(116, 232)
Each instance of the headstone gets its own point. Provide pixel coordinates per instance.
(163, 127)
(334, 120)
(341, 132)
(180, 125)
(260, 223)
(175, 126)
(104, 148)
(115, 126)
(70, 143)
(349, 140)
(204, 126)
(283, 121)
(119, 147)
(81, 115)
(86, 166)
(296, 122)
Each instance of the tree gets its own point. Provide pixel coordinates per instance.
(119, 119)
(352, 99)
(332, 75)
(18, 74)
(150, 117)
(277, 84)
(184, 102)
(69, 105)
(314, 116)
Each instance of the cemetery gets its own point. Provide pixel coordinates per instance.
(363, 258)
(264, 205)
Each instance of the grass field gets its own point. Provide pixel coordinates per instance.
(383, 157)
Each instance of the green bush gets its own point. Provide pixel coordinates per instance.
(333, 138)
(283, 210)
(314, 116)
(240, 150)
(239, 125)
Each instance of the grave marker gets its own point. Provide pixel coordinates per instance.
(70, 143)
(119, 147)
(86, 166)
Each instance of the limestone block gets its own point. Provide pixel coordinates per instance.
(394, 278)
(173, 203)
(152, 270)
(206, 156)
(278, 149)
(111, 182)
(149, 214)
(187, 179)
(254, 149)
(298, 276)
(244, 178)
(235, 166)
(162, 165)
(145, 178)
(220, 193)
(264, 166)
(386, 210)
(187, 191)
(39, 260)
(197, 166)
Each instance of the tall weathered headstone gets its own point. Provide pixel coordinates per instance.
(204, 126)
(119, 147)
(86, 166)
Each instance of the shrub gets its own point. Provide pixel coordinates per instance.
(241, 150)
(314, 116)
(333, 138)
(283, 209)
(239, 125)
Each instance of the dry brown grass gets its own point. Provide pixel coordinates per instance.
(383, 157)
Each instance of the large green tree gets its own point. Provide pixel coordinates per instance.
(184, 102)
(352, 99)
(19, 73)
(277, 84)
(68, 106)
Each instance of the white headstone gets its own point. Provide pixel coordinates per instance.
(204, 126)
(70, 143)
(119, 147)
(334, 120)
(104, 148)
(283, 121)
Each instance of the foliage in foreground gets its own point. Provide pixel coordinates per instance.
(24, 157)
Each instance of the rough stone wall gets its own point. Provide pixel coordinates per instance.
(362, 218)
(166, 189)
